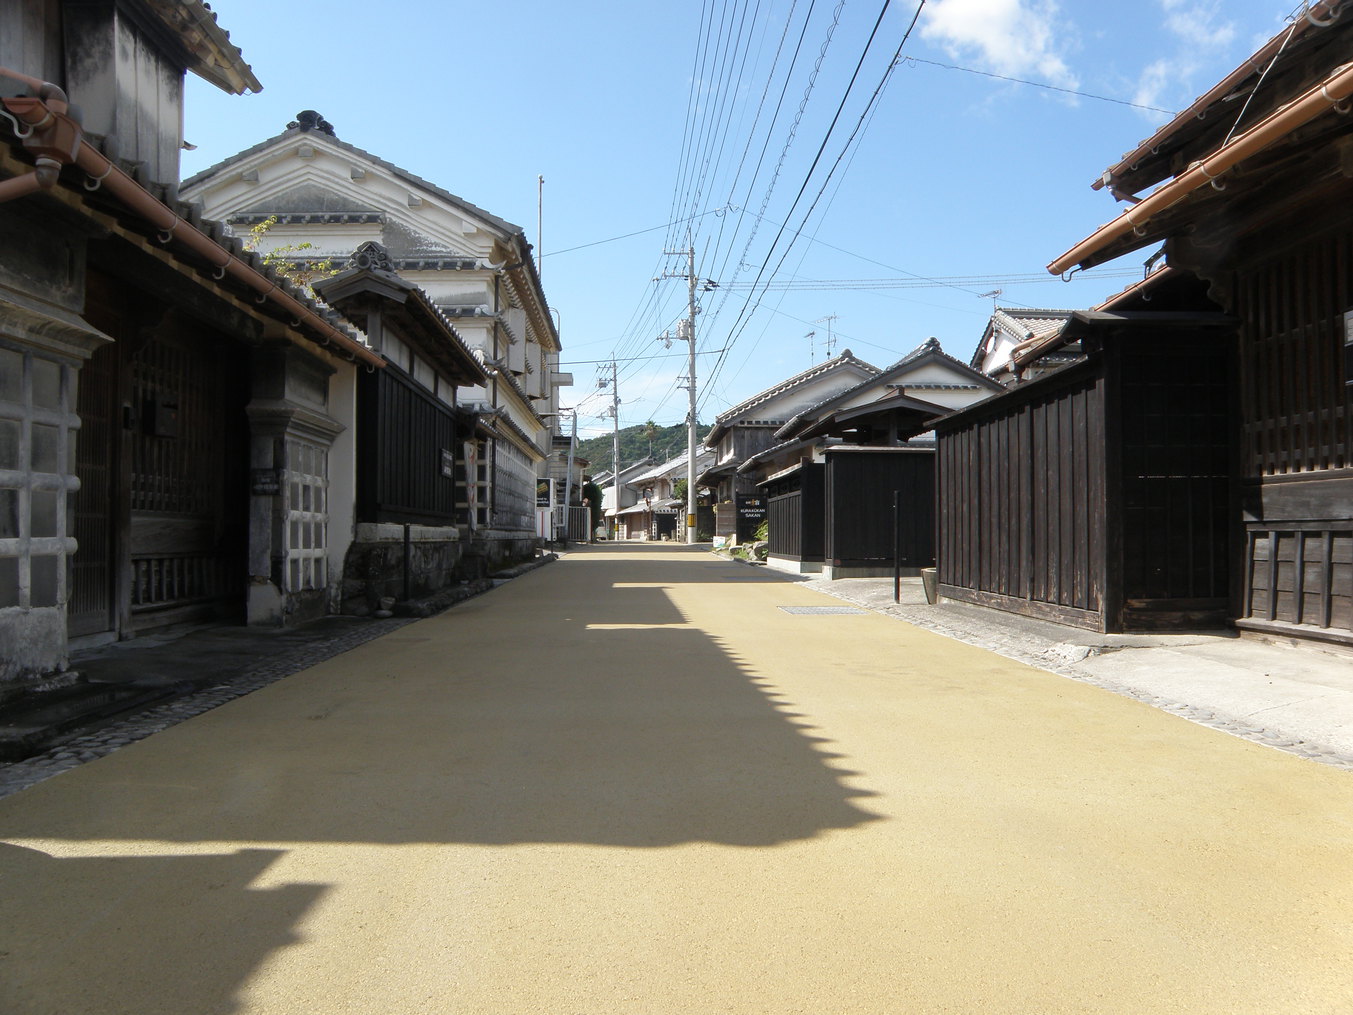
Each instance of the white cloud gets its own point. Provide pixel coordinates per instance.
(1200, 35)
(1014, 37)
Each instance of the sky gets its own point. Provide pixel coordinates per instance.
(845, 170)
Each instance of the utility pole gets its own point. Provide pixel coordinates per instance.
(615, 431)
(689, 336)
(614, 382)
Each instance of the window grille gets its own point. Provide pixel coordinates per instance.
(307, 516)
(37, 421)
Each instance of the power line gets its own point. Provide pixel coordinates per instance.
(1037, 84)
(637, 359)
(637, 232)
(735, 331)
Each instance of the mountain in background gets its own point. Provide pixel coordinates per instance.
(667, 442)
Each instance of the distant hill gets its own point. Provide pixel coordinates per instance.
(667, 442)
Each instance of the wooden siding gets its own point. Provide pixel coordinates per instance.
(1023, 525)
(1298, 413)
(402, 433)
(795, 515)
(1175, 425)
(859, 508)
(1297, 444)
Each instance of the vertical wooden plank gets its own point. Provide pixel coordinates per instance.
(1299, 576)
(1272, 574)
(1327, 585)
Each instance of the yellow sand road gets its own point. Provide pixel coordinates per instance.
(630, 782)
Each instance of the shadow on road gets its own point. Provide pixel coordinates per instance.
(138, 933)
(573, 706)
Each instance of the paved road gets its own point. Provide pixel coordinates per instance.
(631, 782)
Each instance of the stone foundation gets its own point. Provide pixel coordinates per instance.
(438, 558)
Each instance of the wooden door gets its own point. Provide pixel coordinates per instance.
(188, 498)
(93, 566)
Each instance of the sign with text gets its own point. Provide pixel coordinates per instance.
(751, 510)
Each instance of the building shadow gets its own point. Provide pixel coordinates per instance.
(138, 933)
(573, 706)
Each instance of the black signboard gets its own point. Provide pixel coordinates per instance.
(751, 513)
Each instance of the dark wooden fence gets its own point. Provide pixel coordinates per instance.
(1021, 489)
(860, 519)
(1098, 496)
(795, 515)
(402, 434)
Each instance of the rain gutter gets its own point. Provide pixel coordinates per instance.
(55, 136)
(1331, 92)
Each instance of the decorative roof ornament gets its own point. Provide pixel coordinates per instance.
(308, 119)
(371, 256)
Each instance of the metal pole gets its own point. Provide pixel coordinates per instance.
(897, 547)
(615, 440)
(690, 422)
(568, 476)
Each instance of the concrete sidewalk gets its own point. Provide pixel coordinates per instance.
(1297, 697)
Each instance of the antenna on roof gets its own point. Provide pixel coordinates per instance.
(994, 295)
(812, 354)
(830, 343)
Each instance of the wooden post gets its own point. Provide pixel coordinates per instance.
(897, 547)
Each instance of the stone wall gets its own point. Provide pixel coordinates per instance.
(438, 558)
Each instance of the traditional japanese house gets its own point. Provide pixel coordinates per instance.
(657, 508)
(308, 195)
(418, 454)
(619, 494)
(172, 414)
(1096, 495)
(1255, 197)
(749, 428)
(850, 485)
(1012, 330)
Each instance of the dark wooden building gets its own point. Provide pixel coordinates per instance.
(167, 403)
(1261, 208)
(1099, 495)
(862, 501)
(418, 455)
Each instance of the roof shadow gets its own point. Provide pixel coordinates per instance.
(139, 933)
(601, 719)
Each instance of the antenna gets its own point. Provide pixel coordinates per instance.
(830, 343)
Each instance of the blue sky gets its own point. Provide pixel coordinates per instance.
(653, 119)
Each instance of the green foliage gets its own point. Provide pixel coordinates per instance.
(679, 490)
(667, 442)
(762, 532)
(301, 271)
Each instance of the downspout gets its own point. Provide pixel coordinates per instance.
(1334, 91)
(57, 139)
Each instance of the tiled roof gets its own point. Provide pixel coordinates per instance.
(812, 373)
(329, 139)
(929, 350)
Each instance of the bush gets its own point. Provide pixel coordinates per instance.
(762, 532)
